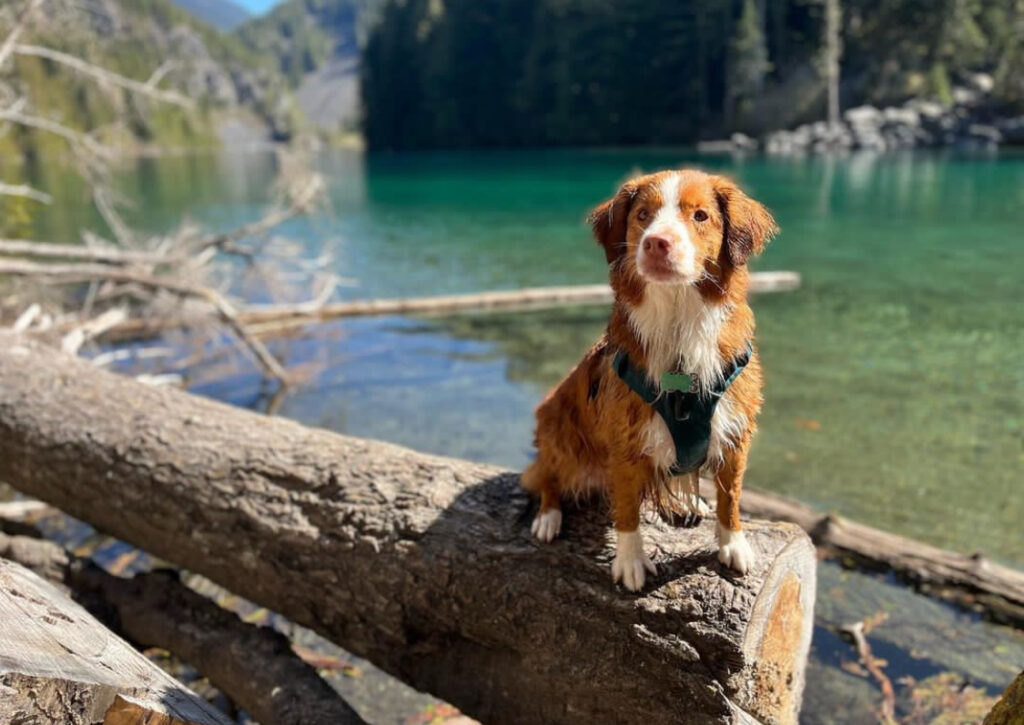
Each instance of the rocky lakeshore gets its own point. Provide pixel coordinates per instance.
(970, 121)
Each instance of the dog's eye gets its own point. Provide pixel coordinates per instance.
(700, 215)
(642, 215)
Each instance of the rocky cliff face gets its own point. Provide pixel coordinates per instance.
(317, 47)
(136, 38)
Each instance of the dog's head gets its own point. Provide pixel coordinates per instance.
(680, 228)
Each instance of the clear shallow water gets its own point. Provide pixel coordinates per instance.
(893, 393)
(894, 382)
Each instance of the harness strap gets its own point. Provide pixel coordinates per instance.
(687, 412)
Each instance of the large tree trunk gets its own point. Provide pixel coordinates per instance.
(59, 666)
(422, 564)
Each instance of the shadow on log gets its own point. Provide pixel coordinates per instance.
(422, 564)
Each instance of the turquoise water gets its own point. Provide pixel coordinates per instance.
(893, 380)
(893, 386)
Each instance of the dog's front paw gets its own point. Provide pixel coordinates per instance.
(631, 564)
(547, 524)
(734, 551)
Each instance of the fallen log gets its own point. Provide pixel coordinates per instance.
(60, 666)
(424, 565)
(970, 580)
(254, 666)
(274, 318)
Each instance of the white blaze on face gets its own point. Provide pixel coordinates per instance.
(668, 224)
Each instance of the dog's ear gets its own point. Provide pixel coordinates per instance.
(748, 225)
(608, 220)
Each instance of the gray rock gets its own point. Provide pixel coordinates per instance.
(863, 116)
(981, 82)
(743, 142)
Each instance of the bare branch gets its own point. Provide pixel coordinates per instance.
(75, 139)
(158, 75)
(856, 632)
(19, 26)
(27, 248)
(105, 206)
(105, 76)
(72, 342)
(77, 273)
(25, 191)
(300, 203)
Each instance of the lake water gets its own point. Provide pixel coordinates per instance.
(893, 379)
(893, 374)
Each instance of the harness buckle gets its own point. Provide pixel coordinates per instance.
(680, 406)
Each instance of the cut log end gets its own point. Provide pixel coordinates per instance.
(59, 665)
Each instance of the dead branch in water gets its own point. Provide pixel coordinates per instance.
(972, 581)
(268, 320)
(857, 632)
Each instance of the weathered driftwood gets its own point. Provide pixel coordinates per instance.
(283, 317)
(424, 565)
(971, 580)
(59, 666)
(254, 666)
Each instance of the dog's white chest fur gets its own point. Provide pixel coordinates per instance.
(679, 331)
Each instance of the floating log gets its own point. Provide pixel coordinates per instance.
(281, 317)
(970, 580)
(60, 666)
(424, 565)
(254, 666)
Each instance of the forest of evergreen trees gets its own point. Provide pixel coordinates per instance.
(443, 73)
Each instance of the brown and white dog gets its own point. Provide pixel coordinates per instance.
(677, 243)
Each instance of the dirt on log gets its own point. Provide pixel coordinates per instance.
(59, 666)
(424, 565)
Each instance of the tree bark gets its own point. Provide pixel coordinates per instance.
(833, 52)
(254, 666)
(59, 666)
(424, 565)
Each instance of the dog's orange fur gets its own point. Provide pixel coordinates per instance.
(591, 428)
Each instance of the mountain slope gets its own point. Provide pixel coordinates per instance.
(317, 45)
(224, 15)
(134, 38)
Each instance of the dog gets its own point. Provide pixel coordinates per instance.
(675, 384)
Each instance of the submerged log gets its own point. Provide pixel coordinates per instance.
(424, 565)
(274, 318)
(254, 666)
(969, 580)
(59, 666)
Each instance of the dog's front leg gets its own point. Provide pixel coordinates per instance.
(733, 549)
(631, 563)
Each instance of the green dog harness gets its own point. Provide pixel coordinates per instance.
(686, 412)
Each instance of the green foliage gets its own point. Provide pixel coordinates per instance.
(578, 72)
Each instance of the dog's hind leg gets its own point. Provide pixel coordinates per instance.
(689, 495)
(547, 524)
